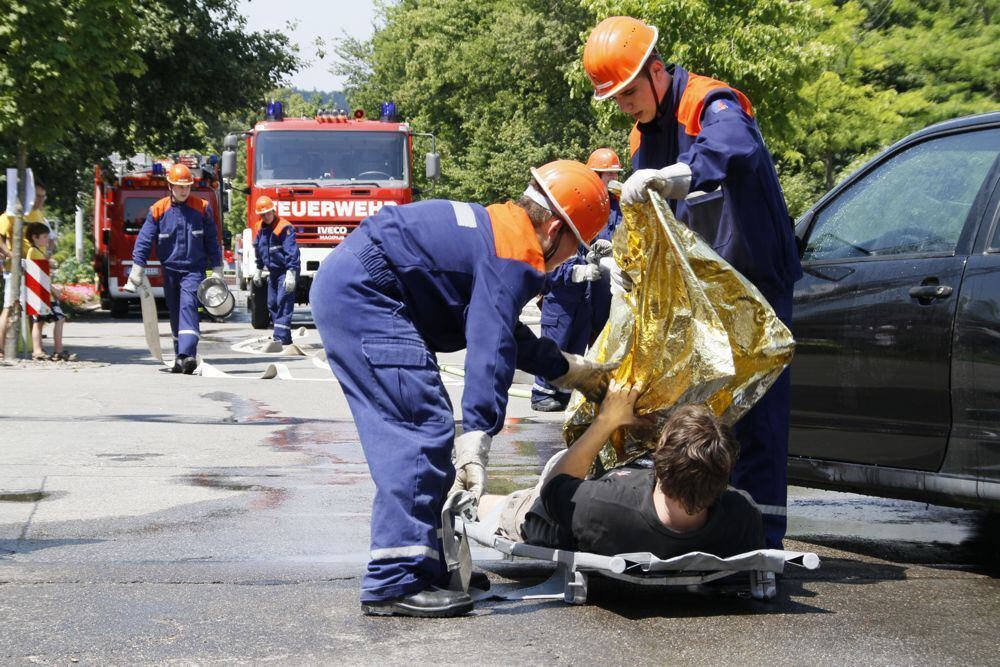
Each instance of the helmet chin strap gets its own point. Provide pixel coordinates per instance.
(551, 252)
(661, 102)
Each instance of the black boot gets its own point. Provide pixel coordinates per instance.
(432, 602)
(176, 368)
(549, 404)
(188, 365)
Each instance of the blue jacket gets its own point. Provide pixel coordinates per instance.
(465, 272)
(275, 247)
(710, 127)
(186, 236)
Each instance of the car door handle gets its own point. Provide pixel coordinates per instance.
(931, 291)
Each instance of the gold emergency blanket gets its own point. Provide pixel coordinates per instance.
(692, 329)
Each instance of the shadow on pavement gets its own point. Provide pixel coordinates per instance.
(9, 548)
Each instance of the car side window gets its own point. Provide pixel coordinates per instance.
(917, 201)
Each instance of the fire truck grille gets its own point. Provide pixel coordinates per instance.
(322, 233)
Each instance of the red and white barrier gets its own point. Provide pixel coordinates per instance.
(38, 287)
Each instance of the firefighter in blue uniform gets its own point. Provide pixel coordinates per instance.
(187, 243)
(696, 134)
(276, 250)
(440, 276)
(578, 302)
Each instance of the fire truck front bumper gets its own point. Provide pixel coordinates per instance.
(115, 291)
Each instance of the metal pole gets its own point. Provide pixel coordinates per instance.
(10, 350)
(79, 231)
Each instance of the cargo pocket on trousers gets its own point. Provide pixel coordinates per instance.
(396, 365)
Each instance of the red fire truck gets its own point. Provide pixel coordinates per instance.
(121, 200)
(325, 174)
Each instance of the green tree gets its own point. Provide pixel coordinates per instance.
(489, 79)
(58, 61)
(941, 56)
(201, 64)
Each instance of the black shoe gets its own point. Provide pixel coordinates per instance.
(432, 602)
(549, 404)
(188, 365)
(176, 368)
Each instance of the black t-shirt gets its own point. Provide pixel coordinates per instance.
(614, 514)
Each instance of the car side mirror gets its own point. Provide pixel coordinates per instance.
(231, 141)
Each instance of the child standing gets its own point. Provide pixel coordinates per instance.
(38, 235)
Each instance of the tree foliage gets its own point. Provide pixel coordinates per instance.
(487, 78)
(93, 77)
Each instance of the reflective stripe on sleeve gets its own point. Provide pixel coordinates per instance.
(773, 510)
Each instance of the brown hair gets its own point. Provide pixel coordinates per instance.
(35, 229)
(537, 214)
(694, 458)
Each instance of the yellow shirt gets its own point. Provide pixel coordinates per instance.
(34, 253)
(7, 231)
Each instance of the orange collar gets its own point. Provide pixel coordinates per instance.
(514, 235)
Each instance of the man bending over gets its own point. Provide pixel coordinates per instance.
(680, 505)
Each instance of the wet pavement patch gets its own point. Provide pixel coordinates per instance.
(246, 410)
(24, 497)
(138, 456)
(223, 482)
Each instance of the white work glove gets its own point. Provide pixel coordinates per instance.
(258, 277)
(472, 453)
(586, 273)
(671, 182)
(219, 272)
(590, 378)
(135, 277)
(598, 250)
(620, 282)
(289, 281)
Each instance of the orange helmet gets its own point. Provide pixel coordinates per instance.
(578, 195)
(179, 174)
(604, 159)
(263, 205)
(616, 52)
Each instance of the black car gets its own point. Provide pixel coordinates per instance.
(896, 376)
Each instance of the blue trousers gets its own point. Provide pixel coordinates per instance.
(762, 468)
(180, 290)
(567, 321)
(401, 410)
(281, 306)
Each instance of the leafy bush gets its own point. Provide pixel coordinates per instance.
(72, 271)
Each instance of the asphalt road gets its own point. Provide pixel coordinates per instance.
(153, 518)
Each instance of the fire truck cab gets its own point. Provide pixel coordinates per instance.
(121, 201)
(325, 174)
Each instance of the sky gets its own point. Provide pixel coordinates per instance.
(313, 18)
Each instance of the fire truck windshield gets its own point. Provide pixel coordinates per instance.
(330, 158)
(135, 212)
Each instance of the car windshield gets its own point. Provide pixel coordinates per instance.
(330, 158)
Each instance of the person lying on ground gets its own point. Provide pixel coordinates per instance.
(681, 504)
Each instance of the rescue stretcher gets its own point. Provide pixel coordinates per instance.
(689, 571)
